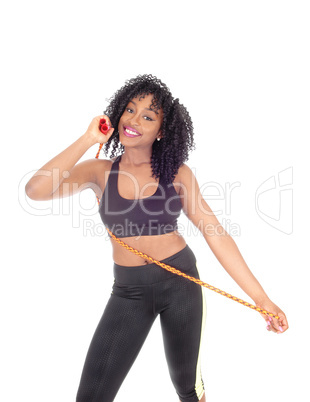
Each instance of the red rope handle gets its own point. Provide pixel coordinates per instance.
(104, 128)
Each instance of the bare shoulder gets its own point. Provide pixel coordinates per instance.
(99, 168)
(184, 174)
(184, 179)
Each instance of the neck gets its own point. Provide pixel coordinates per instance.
(136, 157)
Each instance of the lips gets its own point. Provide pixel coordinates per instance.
(131, 132)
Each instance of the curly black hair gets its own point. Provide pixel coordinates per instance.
(172, 150)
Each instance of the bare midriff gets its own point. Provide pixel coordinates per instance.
(158, 247)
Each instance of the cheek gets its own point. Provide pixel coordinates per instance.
(158, 127)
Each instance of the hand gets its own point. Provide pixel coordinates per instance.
(275, 325)
(95, 134)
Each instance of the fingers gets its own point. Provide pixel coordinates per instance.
(105, 137)
(283, 321)
(277, 325)
(271, 326)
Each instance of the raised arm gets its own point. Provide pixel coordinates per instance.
(224, 247)
(63, 176)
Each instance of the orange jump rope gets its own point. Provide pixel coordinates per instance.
(104, 129)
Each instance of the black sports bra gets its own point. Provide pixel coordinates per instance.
(154, 215)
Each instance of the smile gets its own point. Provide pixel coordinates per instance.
(130, 132)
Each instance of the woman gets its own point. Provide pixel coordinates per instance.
(142, 192)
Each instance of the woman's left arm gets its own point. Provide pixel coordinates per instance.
(224, 248)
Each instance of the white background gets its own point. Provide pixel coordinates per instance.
(242, 70)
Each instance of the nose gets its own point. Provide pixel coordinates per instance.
(135, 120)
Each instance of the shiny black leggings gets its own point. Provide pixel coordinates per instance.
(139, 294)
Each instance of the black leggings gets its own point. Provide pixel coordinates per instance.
(139, 294)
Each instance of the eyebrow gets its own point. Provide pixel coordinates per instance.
(146, 108)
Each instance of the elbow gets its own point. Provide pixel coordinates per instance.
(34, 192)
(30, 191)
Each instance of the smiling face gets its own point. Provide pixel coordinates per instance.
(139, 125)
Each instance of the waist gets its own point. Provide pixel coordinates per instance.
(158, 247)
(184, 260)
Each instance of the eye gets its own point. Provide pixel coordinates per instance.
(129, 110)
(148, 118)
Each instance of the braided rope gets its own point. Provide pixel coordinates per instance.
(180, 273)
(97, 156)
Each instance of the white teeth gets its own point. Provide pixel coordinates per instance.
(131, 132)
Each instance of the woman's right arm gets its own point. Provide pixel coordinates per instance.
(62, 176)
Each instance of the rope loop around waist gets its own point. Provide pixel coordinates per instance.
(191, 278)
